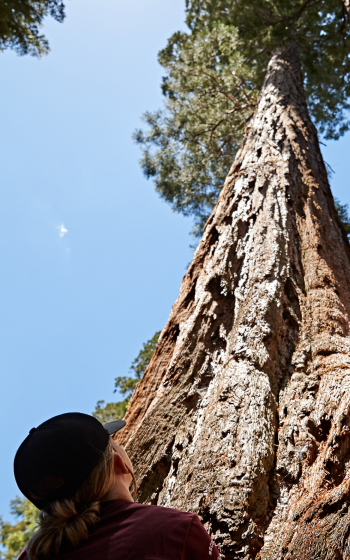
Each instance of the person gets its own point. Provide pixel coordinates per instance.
(79, 478)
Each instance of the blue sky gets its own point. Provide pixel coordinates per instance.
(91, 258)
(75, 309)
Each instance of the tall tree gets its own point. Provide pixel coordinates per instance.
(243, 414)
(212, 78)
(20, 22)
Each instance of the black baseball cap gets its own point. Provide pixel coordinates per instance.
(57, 457)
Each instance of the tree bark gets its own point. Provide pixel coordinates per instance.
(347, 7)
(243, 415)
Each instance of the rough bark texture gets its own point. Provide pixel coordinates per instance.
(243, 415)
(347, 7)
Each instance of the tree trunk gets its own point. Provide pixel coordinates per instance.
(347, 7)
(243, 415)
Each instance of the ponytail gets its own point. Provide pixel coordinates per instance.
(69, 521)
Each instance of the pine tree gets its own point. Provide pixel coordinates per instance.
(20, 22)
(243, 413)
(213, 75)
(209, 98)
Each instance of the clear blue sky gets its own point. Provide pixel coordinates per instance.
(76, 309)
(77, 305)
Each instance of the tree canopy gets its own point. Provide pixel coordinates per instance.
(213, 75)
(20, 22)
(209, 97)
(322, 32)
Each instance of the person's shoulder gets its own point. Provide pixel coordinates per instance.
(164, 513)
(145, 515)
(163, 510)
(23, 555)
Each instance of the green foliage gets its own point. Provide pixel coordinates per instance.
(14, 537)
(212, 78)
(209, 98)
(143, 358)
(343, 213)
(322, 31)
(20, 21)
(126, 385)
(110, 411)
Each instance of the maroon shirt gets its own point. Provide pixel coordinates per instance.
(132, 531)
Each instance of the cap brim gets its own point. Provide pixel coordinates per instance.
(113, 427)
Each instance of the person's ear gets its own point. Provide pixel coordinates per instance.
(119, 465)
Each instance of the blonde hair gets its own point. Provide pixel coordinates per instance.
(69, 521)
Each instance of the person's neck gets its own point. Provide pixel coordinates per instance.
(118, 492)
